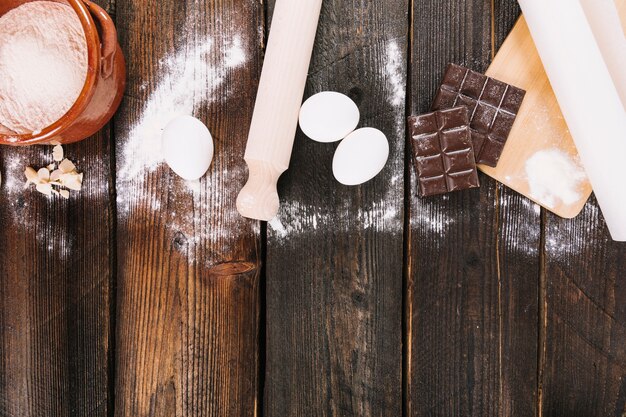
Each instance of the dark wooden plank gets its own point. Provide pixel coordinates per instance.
(55, 293)
(519, 247)
(452, 297)
(187, 339)
(584, 372)
(56, 290)
(56, 268)
(472, 272)
(334, 253)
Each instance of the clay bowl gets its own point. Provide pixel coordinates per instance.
(102, 93)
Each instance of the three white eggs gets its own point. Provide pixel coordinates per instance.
(325, 117)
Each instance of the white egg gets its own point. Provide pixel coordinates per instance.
(361, 156)
(328, 117)
(188, 147)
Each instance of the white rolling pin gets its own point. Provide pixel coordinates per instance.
(588, 97)
(604, 18)
(278, 102)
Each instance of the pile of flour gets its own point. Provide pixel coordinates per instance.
(554, 176)
(43, 64)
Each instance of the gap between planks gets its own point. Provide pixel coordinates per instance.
(407, 291)
(497, 235)
(542, 314)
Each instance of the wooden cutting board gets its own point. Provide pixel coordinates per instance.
(539, 125)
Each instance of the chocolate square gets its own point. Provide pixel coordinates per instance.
(431, 166)
(462, 180)
(473, 84)
(501, 126)
(493, 106)
(433, 185)
(458, 161)
(493, 148)
(484, 116)
(452, 140)
(442, 147)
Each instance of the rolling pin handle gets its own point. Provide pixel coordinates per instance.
(259, 197)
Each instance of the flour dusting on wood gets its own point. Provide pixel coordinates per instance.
(522, 229)
(395, 72)
(189, 79)
(381, 215)
(395, 68)
(566, 238)
(17, 160)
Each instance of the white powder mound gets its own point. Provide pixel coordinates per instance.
(43, 64)
(554, 176)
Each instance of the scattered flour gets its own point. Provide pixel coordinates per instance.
(554, 177)
(13, 175)
(187, 82)
(566, 239)
(434, 222)
(235, 55)
(522, 231)
(277, 226)
(395, 67)
(296, 219)
(395, 72)
(24, 207)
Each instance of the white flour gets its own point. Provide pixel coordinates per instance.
(187, 82)
(567, 239)
(43, 64)
(395, 69)
(296, 219)
(554, 176)
(381, 215)
(13, 172)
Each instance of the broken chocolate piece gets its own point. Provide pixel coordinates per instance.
(442, 147)
(492, 104)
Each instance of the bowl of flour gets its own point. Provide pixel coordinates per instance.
(62, 75)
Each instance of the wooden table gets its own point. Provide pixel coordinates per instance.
(140, 297)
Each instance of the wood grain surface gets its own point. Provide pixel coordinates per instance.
(518, 256)
(454, 362)
(584, 318)
(187, 337)
(334, 253)
(469, 279)
(56, 265)
(147, 296)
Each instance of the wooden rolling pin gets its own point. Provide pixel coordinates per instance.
(278, 102)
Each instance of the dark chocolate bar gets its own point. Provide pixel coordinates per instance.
(492, 104)
(442, 147)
